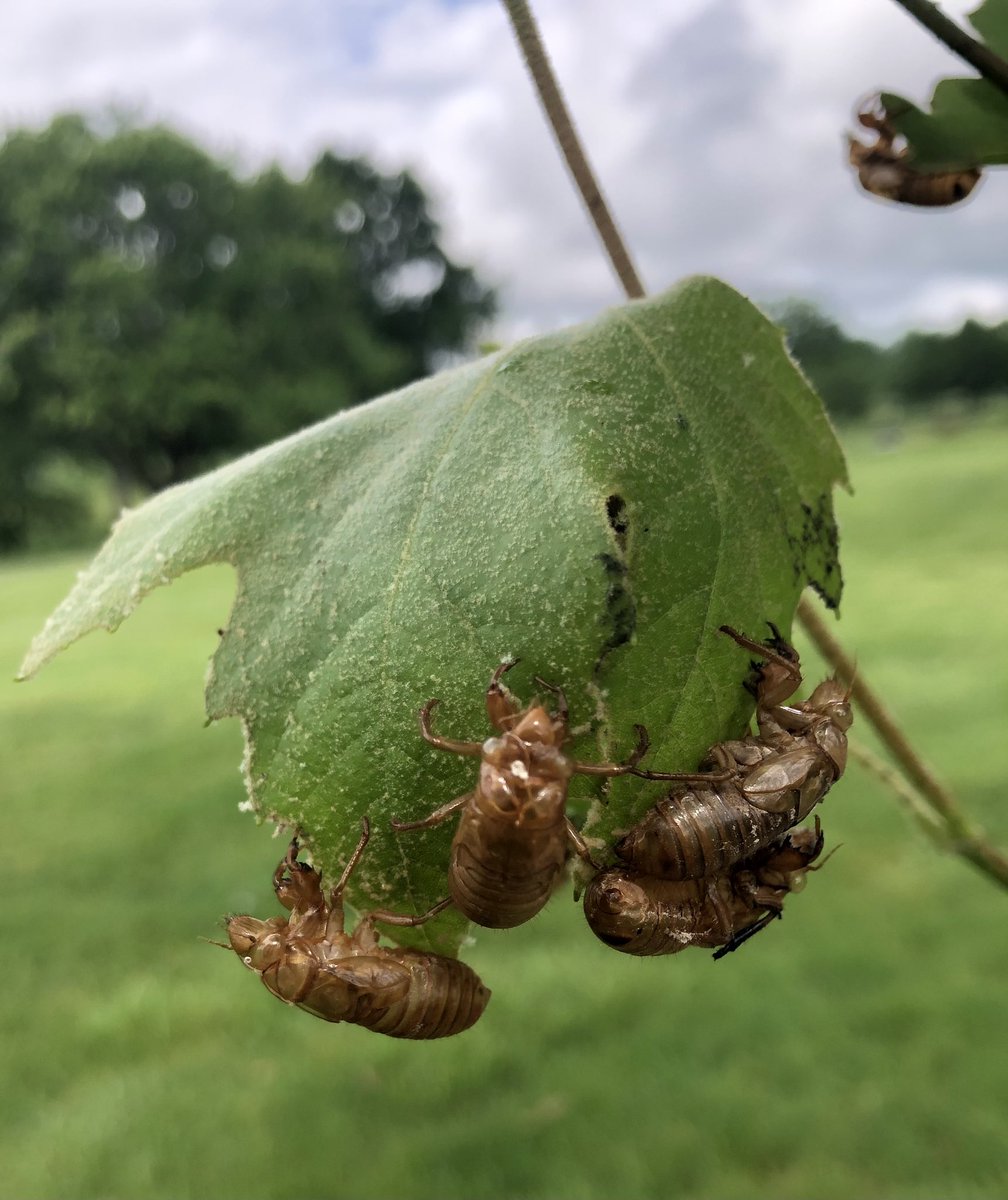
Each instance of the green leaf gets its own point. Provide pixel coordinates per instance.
(968, 123)
(966, 127)
(990, 20)
(595, 503)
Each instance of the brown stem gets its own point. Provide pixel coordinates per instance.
(966, 840)
(976, 849)
(926, 817)
(560, 121)
(971, 844)
(990, 65)
(916, 770)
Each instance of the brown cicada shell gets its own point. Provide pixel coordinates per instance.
(513, 836)
(308, 960)
(883, 170)
(640, 914)
(759, 786)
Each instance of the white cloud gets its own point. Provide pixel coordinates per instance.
(715, 125)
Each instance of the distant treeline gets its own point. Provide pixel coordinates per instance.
(160, 313)
(855, 377)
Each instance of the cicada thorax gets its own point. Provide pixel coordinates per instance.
(298, 976)
(809, 751)
(830, 706)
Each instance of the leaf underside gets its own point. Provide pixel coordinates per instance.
(595, 503)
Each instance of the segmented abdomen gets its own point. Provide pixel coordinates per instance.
(445, 997)
(502, 874)
(700, 832)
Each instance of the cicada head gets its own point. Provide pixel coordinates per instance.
(617, 909)
(535, 725)
(299, 887)
(832, 699)
(777, 679)
(257, 943)
(786, 865)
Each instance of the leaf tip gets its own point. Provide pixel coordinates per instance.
(37, 655)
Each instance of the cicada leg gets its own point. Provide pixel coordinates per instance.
(625, 768)
(436, 817)
(738, 939)
(471, 748)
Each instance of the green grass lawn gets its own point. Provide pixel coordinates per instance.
(855, 1049)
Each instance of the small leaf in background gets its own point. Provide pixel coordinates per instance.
(966, 127)
(939, 154)
(990, 20)
(885, 169)
(596, 503)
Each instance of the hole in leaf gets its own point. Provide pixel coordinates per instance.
(616, 512)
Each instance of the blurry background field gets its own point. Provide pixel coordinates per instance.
(856, 1048)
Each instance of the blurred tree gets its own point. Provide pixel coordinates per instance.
(847, 374)
(971, 363)
(159, 314)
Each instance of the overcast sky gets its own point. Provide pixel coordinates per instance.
(716, 127)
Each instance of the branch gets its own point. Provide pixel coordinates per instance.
(925, 817)
(972, 844)
(560, 121)
(868, 701)
(990, 65)
(965, 839)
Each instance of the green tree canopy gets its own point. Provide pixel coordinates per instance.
(846, 373)
(972, 362)
(159, 313)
